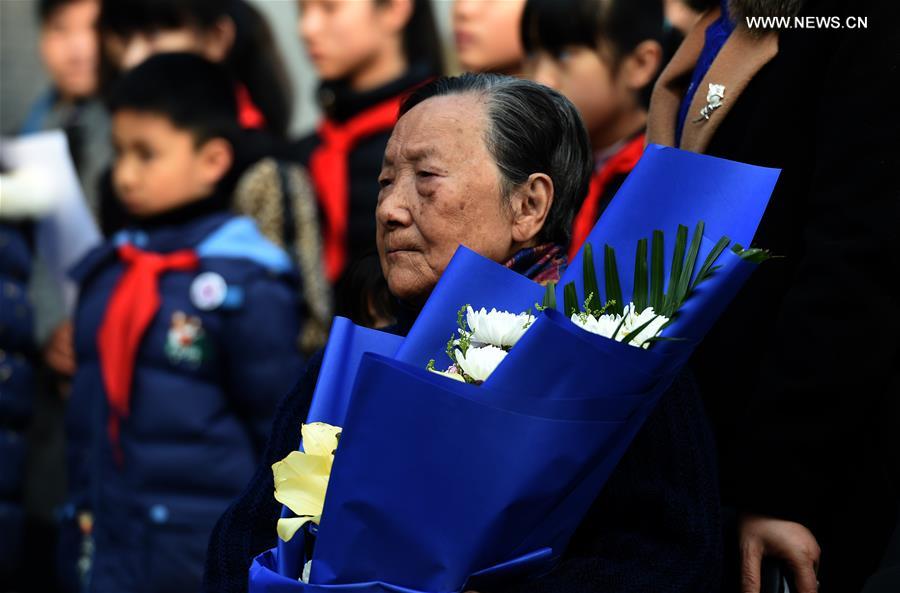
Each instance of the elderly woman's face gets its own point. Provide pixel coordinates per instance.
(440, 188)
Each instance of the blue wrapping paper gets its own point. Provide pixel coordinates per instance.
(669, 187)
(615, 369)
(438, 484)
(502, 474)
(347, 342)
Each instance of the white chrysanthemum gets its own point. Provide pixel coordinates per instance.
(605, 325)
(479, 363)
(497, 328)
(634, 321)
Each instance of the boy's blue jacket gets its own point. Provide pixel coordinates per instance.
(211, 367)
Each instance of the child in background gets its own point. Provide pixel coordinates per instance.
(70, 55)
(185, 335)
(368, 53)
(230, 32)
(486, 34)
(603, 55)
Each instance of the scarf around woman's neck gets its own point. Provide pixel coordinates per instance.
(542, 263)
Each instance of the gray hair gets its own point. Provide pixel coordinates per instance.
(531, 129)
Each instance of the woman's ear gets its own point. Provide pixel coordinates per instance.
(219, 40)
(216, 159)
(395, 14)
(530, 204)
(642, 65)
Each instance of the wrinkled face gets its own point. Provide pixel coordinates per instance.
(440, 188)
(69, 48)
(157, 166)
(487, 34)
(341, 37)
(585, 78)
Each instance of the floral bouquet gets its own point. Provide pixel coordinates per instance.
(469, 451)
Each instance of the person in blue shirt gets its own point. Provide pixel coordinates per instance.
(185, 338)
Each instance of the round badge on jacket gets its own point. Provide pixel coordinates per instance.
(208, 291)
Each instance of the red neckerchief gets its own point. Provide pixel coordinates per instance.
(620, 163)
(249, 115)
(132, 306)
(328, 169)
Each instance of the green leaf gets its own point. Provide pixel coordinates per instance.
(618, 327)
(753, 255)
(634, 333)
(707, 269)
(675, 273)
(687, 271)
(570, 299)
(613, 287)
(549, 296)
(657, 272)
(590, 277)
(640, 296)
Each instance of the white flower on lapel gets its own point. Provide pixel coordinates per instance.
(479, 363)
(497, 328)
(715, 95)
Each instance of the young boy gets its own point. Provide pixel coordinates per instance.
(185, 337)
(603, 55)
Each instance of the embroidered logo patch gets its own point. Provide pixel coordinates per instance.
(186, 341)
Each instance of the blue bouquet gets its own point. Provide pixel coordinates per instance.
(442, 480)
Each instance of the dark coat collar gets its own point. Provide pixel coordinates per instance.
(739, 60)
(340, 103)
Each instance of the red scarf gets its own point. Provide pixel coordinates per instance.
(132, 306)
(620, 163)
(328, 169)
(249, 115)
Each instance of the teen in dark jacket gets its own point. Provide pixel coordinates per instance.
(369, 55)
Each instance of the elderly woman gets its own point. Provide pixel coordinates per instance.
(500, 165)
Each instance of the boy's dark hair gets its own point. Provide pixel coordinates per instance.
(531, 129)
(553, 25)
(191, 92)
(254, 59)
(47, 8)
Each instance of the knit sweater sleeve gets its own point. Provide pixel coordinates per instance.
(656, 524)
(247, 528)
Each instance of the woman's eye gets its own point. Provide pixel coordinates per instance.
(384, 182)
(424, 174)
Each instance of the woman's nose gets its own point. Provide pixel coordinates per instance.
(393, 208)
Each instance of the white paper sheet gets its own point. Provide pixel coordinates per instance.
(68, 231)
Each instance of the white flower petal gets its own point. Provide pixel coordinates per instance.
(479, 363)
(497, 328)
